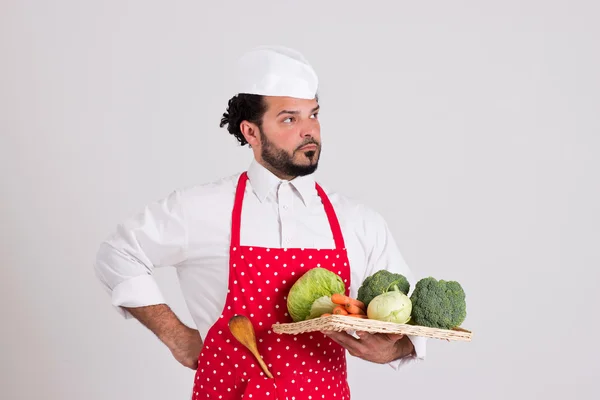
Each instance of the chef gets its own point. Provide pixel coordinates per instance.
(240, 242)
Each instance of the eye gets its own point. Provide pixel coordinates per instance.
(287, 120)
(315, 115)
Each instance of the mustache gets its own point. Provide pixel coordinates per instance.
(309, 141)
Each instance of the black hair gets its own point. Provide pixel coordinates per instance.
(243, 107)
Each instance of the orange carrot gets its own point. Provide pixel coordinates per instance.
(339, 310)
(357, 303)
(353, 309)
(338, 298)
(343, 300)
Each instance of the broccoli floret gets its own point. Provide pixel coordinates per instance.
(438, 304)
(381, 282)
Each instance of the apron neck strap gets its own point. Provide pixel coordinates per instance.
(236, 221)
(333, 220)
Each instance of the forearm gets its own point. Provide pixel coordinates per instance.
(162, 321)
(184, 342)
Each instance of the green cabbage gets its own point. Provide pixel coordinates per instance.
(323, 305)
(393, 306)
(306, 299)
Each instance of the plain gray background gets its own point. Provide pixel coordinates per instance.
(472, 126)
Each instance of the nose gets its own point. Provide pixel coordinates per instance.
(309, 128)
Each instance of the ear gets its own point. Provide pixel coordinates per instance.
(251, 133)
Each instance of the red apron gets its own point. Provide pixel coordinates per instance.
(308, 366)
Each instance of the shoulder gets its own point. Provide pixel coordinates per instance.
(215, 190)
(208, 201)
(354, 211)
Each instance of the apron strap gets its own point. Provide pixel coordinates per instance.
(236, 215)
(333, 220)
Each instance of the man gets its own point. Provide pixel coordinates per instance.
(238, 244)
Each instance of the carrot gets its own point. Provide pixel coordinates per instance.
(353, 309)
(339, 299)
(343, 300)
(358, 304)
(339, 310)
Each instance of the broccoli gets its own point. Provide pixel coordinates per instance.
(438, 304)
(381, 282)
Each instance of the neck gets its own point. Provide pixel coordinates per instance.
(275, 171)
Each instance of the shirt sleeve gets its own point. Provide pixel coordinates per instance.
(385, 254)
(157, 236)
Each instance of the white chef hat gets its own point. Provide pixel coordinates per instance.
(276, 71)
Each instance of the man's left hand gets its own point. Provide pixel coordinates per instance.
(380, 348)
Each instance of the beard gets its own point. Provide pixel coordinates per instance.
(283, 162)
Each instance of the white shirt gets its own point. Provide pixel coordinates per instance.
(190, 230)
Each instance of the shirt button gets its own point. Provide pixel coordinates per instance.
(285, 207)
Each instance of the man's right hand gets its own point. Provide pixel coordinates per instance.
(184, 342)
(186, 347)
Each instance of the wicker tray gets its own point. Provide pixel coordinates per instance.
(343, 323)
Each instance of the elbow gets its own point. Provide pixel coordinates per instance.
(102, 266)
(112, 266)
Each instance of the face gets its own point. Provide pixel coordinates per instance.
(289, 143)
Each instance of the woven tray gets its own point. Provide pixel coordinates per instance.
(343, 323)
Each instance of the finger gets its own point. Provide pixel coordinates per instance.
(191, 364)
(343, 339)
(394, 337)
(363, 333)
(365, 336)
(391, 336)
(372, 339)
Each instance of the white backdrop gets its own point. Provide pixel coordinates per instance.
(472, 126)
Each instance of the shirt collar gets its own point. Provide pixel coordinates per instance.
(264, 182)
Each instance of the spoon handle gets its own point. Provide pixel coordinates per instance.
(262, 363)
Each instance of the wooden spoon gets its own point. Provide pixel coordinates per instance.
(243, 331)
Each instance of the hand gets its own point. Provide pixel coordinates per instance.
(380, 348)
(186, 347)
